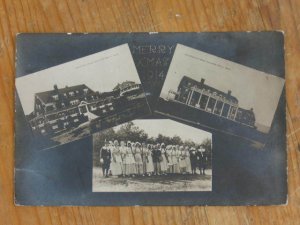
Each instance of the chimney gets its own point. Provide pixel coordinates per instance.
(229, 92)
(202, 81)
(55, 87)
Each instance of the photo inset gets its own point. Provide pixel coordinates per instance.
(73, 100)
(152, 155)
(213, 92)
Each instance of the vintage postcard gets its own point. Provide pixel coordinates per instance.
(202, 147)
(70, 101)
(219, 94)
(152, 155)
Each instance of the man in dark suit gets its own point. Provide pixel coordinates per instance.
(156, 154)
(202, 159)
(105, 155)
(193, 158)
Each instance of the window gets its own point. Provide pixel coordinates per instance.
(74, 102)
(85, 90)
(76, 120)
(111, 108)
(104, 110)
(55, 127)
(55, 97)
(203, 101)
(225, 110)
(71, 93)
(43, 131)
(210, 104)
(218, 108)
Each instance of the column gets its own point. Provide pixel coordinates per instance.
(191, 96)
(187, 100)
(229, 111)
(214, 106)
(222, 109)
(200, 98)
(207, 103)
(235, 113)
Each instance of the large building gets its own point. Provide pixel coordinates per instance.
(206, 98)
(60, 109)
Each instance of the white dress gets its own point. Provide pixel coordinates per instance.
(116, 164)
(164, 162)
(129, 162)
(175, 160)
(182, 162)
(188, 162)
(138, 160)
(149, 165)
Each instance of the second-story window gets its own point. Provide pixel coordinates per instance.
(55, 97)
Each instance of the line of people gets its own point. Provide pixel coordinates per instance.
(132, 159)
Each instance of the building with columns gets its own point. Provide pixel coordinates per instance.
(206, 98)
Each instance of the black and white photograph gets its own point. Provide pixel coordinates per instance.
(219, 94)
(75, 99)
(152, 155)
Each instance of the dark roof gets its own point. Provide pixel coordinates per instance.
(46, 96)
(123, 85)
(207, 87)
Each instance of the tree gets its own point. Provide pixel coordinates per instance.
(176, 140)
(130, 132)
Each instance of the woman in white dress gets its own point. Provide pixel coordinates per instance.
(138, 158)
(116, 164)
(149, 165)
(144, 158)
(129, 161)
(188, 160)
(169, 158)
(123, 151)
(182, 163)
(164, 161)
(175, 159)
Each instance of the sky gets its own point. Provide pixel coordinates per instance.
(170, 128)
(253, 88)
(100, 71)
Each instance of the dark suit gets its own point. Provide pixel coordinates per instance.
(156, 154)
(202, 159)
(106, 156)
(194, 162)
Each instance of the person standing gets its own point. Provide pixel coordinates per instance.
(169, 158)
(116, 164)
(175, 159)
(202, 158)
(163, 159)
(188, 160)
(129, 161)
(182, 162)
(138, 158)
(144, 158)
(149, 164)
(105, 158)
(123, 151)
(194, 160)
(156, 154)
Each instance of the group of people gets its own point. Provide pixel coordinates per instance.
(136, 159)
